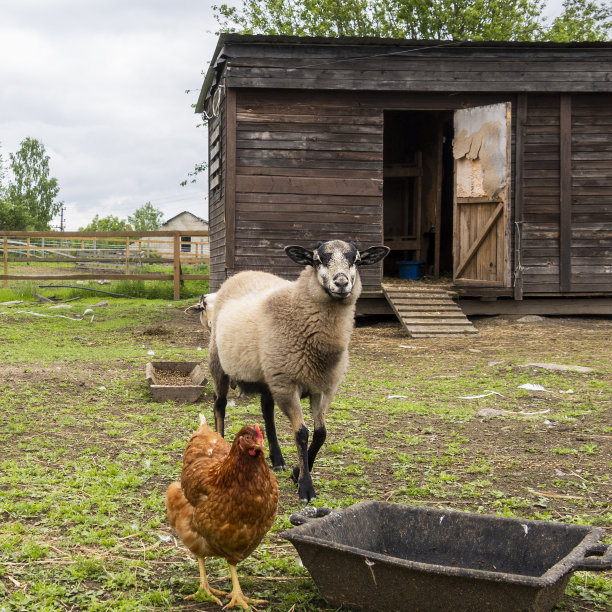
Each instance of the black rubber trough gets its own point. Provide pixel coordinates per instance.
(388, 557)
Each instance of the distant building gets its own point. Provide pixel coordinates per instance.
(189, 244)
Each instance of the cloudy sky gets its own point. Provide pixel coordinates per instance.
(101, 83)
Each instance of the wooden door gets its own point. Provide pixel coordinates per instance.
(481, 238)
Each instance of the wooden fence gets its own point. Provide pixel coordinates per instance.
(62, 256)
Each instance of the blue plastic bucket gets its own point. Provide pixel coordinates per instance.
(412, 270)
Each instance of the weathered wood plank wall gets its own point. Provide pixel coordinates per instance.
(567, 230)
(541, 176)
(442, 68)
(308, 147)
(306, 170)
(591, 214)
(216, 203)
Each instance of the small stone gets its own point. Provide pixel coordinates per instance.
(531, 319)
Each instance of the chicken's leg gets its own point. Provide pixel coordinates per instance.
(204, 586)
(237, 596)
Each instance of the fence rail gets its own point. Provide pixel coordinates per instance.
(121, 255)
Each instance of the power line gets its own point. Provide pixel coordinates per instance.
(375, 55)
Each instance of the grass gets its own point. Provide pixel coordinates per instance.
(149, 290)
(87, 455)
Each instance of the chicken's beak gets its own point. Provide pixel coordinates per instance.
(257, 447)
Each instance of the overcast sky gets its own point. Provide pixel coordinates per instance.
(101, 83)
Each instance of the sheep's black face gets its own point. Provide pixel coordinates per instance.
(335, 263)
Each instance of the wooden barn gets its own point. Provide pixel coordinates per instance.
(486, 165)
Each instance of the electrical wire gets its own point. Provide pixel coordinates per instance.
(376, 55)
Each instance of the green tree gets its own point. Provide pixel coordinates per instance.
(4, 203)
(31, 192)
(193, 175)
(582, 20)
(2, 174)
(304, 18)
(519, 20)
(13, 217)
(109, 223)
(146, 218)
(464, 20)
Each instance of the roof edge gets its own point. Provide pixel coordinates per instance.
(210, 73)
(226, 38)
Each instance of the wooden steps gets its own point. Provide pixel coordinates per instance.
(427, 312)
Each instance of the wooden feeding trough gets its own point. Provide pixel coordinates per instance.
(182, 381)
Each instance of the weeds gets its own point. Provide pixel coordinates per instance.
(87, 455)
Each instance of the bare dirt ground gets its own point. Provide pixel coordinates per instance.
(519, 448)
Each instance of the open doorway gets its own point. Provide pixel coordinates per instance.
(418, 191)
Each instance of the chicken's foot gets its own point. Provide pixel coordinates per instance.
(238, 598)
(205, 587)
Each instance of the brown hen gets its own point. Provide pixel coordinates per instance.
(225, 503)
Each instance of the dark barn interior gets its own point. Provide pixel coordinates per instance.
(417, 190)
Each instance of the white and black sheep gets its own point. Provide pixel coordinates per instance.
(286, 340)
(205, 308)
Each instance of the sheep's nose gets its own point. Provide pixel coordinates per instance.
(341, 281)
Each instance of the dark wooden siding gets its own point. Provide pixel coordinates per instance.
(308, 148)
(442, 68)
(539, 231)
(566, 234)
(307, 169)
(591, 212)
(216, 208)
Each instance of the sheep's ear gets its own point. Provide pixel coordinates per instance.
(300, 255)
(373, 255)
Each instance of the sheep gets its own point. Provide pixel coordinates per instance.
(286, 340)
(205, 308)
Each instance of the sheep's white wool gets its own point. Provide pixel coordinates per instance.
(289, 338)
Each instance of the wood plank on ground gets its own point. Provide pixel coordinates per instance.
(427, 311)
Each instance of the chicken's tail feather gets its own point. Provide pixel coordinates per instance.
(202, 419)
(175, 500)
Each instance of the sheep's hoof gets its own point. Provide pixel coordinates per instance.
(306, 492)
(295, 474)
(307, 497)
(278, 462)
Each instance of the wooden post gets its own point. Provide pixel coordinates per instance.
(438, 196)
(5, 260)
(177, 266)
(519, 155)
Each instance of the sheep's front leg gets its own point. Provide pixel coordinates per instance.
(306, 490)
(318, 406)
(291, 406)
(267, 410)
(221, 384)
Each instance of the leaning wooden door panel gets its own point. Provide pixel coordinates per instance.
(481, 149)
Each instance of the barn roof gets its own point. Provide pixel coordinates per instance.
(257, 51)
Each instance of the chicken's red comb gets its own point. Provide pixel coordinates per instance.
(259, 433)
